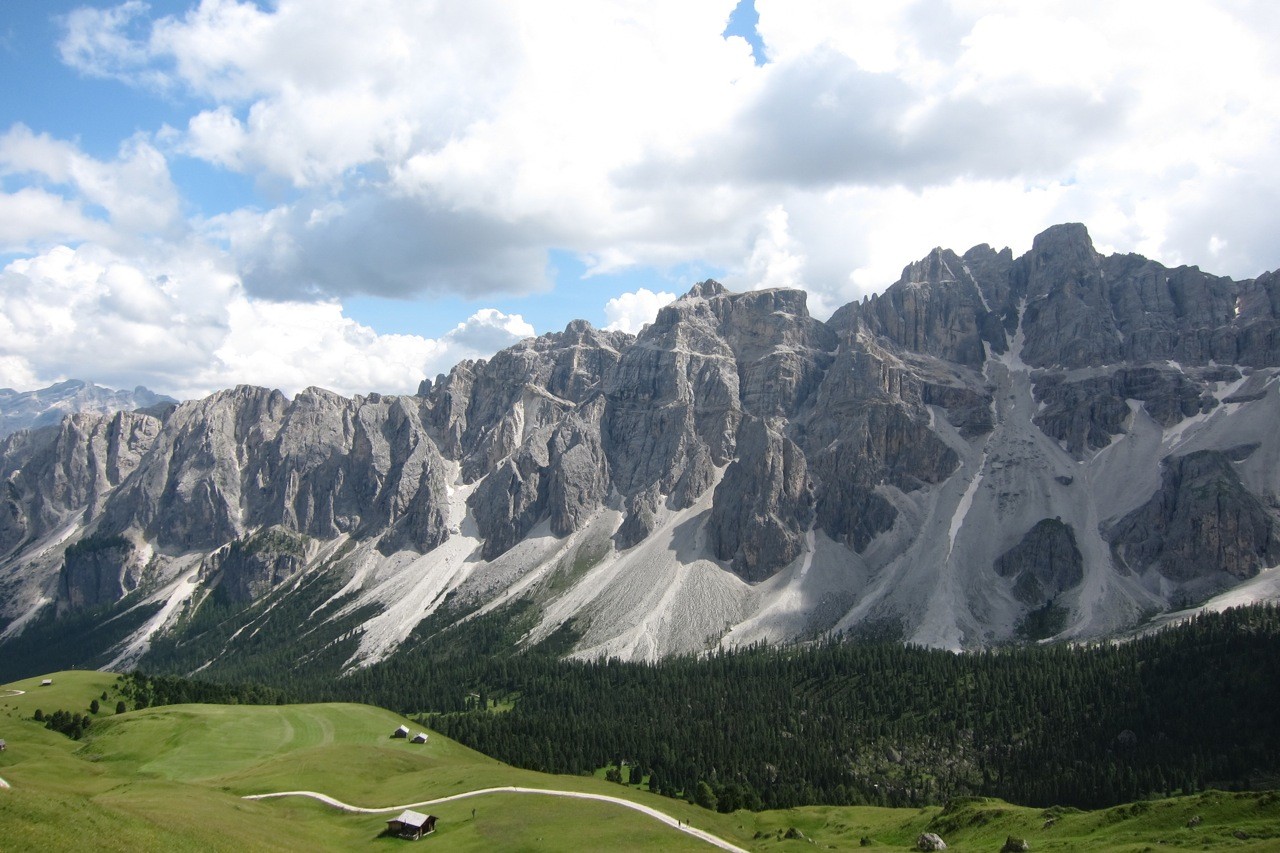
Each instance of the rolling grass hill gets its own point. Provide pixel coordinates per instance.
(173, 778)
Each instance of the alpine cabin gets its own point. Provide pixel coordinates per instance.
(412, 825)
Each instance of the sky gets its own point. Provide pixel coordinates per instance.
(358, 194)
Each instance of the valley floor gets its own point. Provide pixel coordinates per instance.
(200, 777)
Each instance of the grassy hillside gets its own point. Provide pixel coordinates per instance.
(172, 778)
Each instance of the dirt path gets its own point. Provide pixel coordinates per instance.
(4, 784)
(8, 694)
(577, 795)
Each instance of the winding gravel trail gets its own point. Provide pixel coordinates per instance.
(577, 795)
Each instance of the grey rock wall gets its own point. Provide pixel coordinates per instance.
(1202, 525)
(1045, 563)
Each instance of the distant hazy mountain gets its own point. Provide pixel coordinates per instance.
(48, 406)
(1061, 444)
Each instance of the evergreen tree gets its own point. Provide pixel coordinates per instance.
(704, 796)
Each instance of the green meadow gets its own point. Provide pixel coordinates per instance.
(173, 778)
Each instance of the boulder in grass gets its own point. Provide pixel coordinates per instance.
(930, 841)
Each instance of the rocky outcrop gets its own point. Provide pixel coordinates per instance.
(55, 474)
(865, 434)
(559, 474)
(252, 568)
(1068, 319)
(98, 570)
(938, 307)
(482, 410)
(365, 466)
(1202, 525)
(322, 465)
(968, 409)
(1191, 317)
(191, 490)
(1045, 563)
(244, 460)
(1086, 310)
(763, 505)
(676, 399)
(1085, 414)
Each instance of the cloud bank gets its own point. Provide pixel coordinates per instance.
(443, 150)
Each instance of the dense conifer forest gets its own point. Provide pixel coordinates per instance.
(848, 722)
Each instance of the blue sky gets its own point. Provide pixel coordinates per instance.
(359, 193)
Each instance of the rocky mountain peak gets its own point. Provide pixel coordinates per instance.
(1065, 239)
(706, 290)
(939, 306)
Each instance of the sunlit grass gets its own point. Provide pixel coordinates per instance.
(173, 778)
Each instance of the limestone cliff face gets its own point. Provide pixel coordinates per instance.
(191, 490)
(1086, 413)
(482, 411)
(56, 474)
(869, 429)
(1086, 310)
(559, 473)
(1201, 527)
(98, 570)
(1068, 317)
(366, 467)
(679, 395)
(763, 505)
(321, 465)
(940, 306)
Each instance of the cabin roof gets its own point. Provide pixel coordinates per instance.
(410, 818)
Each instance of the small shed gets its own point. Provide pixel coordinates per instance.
(46, 682)
(420, 737)
(3, 745)
(411, 824)
(403, 731)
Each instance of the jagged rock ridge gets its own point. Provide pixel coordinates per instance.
(989, 436)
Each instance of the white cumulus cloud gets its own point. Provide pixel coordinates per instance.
(185, 326)
(631, 312)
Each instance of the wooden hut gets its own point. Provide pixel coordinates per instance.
(46, 682)
(403, 731)
(411, 824)
(420, 737)
(3, 745)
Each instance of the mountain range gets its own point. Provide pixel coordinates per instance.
(996, 449)
(48, 406)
